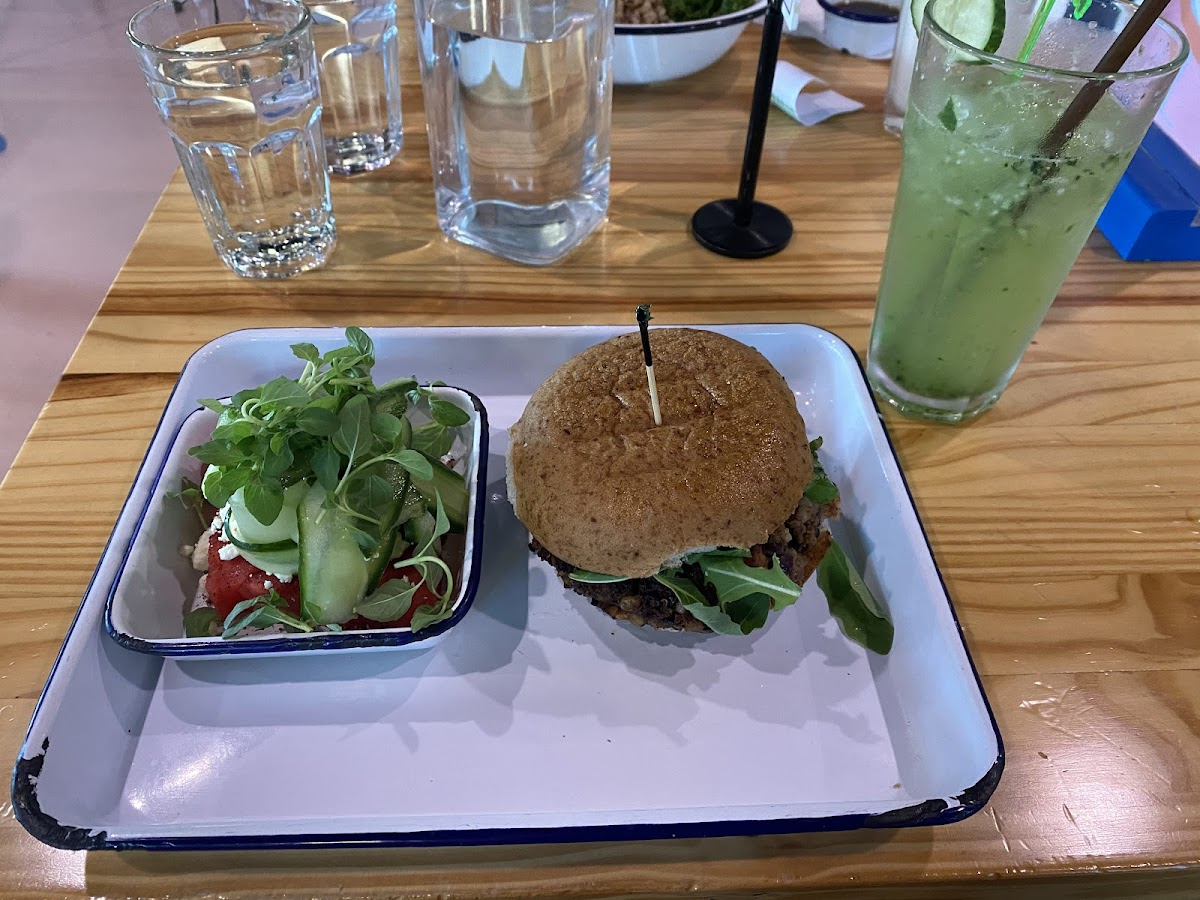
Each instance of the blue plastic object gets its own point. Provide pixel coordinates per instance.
(1154, 213)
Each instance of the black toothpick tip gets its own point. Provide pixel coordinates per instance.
(643, 319)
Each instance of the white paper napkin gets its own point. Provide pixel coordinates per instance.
(787, 92)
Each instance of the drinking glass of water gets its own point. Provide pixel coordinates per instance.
(518, 104)
(235, 81)
(360, 82)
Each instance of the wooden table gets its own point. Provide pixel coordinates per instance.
(1067, 521)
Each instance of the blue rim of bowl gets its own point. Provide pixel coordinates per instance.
(332, 640)
(753, 11)
(843, 13)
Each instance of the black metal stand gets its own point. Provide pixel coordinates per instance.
(746, 228)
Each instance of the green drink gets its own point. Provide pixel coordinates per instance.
(985, 228)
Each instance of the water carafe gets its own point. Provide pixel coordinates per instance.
(518, 105)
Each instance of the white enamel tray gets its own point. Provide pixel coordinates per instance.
(536, 718)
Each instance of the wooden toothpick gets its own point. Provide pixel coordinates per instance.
(643, 319)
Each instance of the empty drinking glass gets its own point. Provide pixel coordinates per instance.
(360, 82)
(235, 81)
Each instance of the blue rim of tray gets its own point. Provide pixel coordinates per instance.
(330, 640)
(935, 811)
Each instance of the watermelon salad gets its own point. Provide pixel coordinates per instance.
(324, 506)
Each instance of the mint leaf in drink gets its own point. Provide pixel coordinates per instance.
(1081, 7)
(948, 117)
(858, 613)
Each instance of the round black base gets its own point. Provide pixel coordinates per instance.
(768, 232)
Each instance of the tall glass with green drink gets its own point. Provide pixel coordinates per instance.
(988, 220)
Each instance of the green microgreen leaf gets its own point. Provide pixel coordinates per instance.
(415, 463)
(353, 437)
(219, 453)
(387, 428)
(261, 612)
(432, 439)
(307, 352)
(326, 464)
(264, 499)
(200, 622)
(190, 495)
(446, 413)
(388, 602)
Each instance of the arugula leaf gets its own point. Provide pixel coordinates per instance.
(389, 601)
(733, 580)
(820, 490)
(587, 577)
(696, 603)
(199, 622)
(850, 601)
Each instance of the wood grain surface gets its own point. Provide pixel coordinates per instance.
(1066, 521)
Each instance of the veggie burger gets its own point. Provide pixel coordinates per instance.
(708, 522)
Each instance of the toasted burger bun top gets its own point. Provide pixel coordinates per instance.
(605, 489)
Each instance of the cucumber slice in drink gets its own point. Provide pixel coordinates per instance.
(978, 23)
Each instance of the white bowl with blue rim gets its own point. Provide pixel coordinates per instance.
(645, 54)
(865, 28)
(156, 585)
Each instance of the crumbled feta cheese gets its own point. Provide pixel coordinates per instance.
(267, 585)
(199, 553)
(228, 552)
(283, 579)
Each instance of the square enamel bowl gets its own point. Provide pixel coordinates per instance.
(644, 54)
(155, 583)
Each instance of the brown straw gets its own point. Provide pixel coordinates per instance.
(1087, 98)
